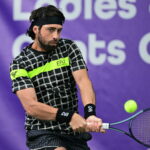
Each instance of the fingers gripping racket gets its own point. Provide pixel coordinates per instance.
(138, 126)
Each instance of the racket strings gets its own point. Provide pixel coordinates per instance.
(140, 127)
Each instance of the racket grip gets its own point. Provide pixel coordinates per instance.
(105, 125)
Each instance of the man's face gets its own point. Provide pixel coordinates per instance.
(48, 36)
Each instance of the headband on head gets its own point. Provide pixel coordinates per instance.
(48, 20)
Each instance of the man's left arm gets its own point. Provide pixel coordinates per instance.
(88, 98)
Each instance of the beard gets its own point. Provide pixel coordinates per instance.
(47, 46)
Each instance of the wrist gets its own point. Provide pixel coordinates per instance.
(89, 110)
(64, 115)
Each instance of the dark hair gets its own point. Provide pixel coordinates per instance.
(43, 12)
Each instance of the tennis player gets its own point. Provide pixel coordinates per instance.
(44, 77)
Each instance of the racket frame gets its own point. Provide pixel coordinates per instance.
(130, 119)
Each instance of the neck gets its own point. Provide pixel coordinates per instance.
(36, 46)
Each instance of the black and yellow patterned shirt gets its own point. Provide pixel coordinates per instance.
(50, 73)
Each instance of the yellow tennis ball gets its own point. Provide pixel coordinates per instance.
(130, 106)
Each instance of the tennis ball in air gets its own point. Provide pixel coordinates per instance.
(130, 106)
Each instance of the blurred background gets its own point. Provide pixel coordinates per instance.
(114, 37)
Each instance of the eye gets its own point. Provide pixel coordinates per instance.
(59, 30)
(51, 29)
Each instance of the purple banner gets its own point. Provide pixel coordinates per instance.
(114, 37)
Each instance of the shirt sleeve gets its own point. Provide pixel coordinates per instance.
(19, 77)
(76, 59)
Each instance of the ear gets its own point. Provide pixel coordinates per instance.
(35, 29)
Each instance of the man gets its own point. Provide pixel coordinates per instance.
(44, 77)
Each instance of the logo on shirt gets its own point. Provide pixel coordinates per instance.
(61, 62)
(13, 73)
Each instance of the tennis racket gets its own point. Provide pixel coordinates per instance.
(138, 127)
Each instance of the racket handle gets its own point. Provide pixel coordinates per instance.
(105, 125)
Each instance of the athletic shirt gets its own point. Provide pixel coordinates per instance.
(50, 74)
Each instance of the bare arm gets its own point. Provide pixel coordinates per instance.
(34, 108)
(42, 111)
(88, 97)
(85, 86)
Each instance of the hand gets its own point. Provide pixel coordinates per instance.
(94, 124)
(78, 123)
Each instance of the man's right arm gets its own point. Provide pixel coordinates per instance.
(42, 111)
(34, 108)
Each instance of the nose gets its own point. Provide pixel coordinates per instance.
(55, 35)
